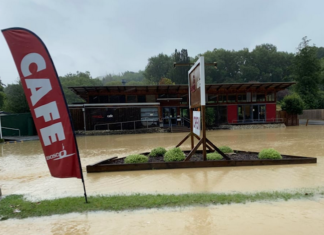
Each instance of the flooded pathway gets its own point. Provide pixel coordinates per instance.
(280, 218)
(23, 170)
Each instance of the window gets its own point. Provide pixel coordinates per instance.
(93, 99)
(131, 99)
(150, 98)
(270, 97)
(117, 99)
(141, 98)
(212, 98)
(231, 98)
(260, 97)
(241, 98)
(184, 99)
(248, 96)
(104, 99)
(222, 99)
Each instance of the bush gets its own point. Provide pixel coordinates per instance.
(136, 158)
(269, 154)
(159, 151)
(214, 156)
(293, 104)
(174, 155)
(226, 149)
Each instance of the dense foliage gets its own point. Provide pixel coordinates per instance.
(15, 99)
(214, 156)
(262, 64)
(269, 154)
(307, 72)
(136, 158)
(159, 151)
(292, 104)
(174, 155)
(226, 149)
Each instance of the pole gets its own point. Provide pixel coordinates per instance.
(84, 189)
(191, 128)
(203, 110)
(0, 129)
(84, 118)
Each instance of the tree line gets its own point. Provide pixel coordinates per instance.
(262, 64)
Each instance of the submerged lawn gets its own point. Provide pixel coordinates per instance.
(15, 206)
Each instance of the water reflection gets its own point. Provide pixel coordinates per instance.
(23, 169)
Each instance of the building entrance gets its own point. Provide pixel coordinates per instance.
(169, 116)
(251, 113)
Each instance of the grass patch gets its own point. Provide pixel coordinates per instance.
(159, 151)
(136, 158)
(131, 202)
(174, 155)
(269, 154)
(226, 149)
(214, 156)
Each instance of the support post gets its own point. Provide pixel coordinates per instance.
(84, 118)
(203, 111)
(191, 128)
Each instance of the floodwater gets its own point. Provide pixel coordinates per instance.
(280, 218)
(23, 170)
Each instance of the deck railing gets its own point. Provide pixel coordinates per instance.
(136, 124)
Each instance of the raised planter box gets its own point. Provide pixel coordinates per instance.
(113, 164)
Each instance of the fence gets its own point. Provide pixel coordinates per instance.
(23, 122)
(288, 119)
(312, 114)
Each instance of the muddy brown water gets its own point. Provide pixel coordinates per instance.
(23, 170)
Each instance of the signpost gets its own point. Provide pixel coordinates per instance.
(197, 106)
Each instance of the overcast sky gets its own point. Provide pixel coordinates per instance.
(114, 36)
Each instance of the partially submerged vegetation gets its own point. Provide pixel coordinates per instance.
(226, 149)
(159, 151)
(269, 154)
(214, 156)
(15, 206)
(174, 155)
(136, 158)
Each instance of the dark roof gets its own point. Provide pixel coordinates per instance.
(82, 91)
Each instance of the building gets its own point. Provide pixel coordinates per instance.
(132, 107)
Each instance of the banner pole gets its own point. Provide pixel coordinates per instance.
(84, 189)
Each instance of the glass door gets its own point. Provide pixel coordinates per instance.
(169, 116)
(247, 113)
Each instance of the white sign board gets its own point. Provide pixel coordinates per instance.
(196, 77)
(196, 122)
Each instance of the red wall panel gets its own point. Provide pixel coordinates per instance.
(232, 113)
(271, 112)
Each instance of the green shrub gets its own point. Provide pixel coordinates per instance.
(136, 158)
(293, 104)
(159, 151)
(174, 155)
(269, 154)
(226, 149)
(214, 156)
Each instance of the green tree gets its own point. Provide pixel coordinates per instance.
(15, 101)
(293, 104)
(179, 74)
(2, 94)
(307, 70)
(114, 83)
(166, 81)
(77, 79)
(158, 67)
(127, 76)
